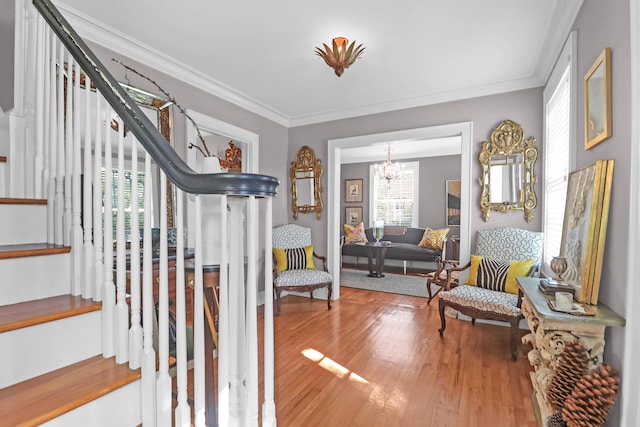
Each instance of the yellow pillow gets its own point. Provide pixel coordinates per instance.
(294, 259)
(497, 275)
(354, 234)
(433, 239)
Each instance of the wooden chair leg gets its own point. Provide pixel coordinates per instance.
(443, 322)
(278, 301)
(330, 288)
(429, 296)
(515, 322)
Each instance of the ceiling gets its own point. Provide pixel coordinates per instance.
(260, 55)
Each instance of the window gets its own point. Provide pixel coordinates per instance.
(128, 180)
(559, 115)
(395, 203)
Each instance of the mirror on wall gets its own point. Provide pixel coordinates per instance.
(508, 176)
(306, 186)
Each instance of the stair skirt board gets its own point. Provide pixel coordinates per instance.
(118, 408)
(22, 282)
(31, 227)
(48, 346)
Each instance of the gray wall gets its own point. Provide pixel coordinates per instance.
(7, 47)
(599, 25)
(523, 107)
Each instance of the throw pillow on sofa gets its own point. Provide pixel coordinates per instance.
(294, 259)
(497, 275)
(354, 234)
(433, 239)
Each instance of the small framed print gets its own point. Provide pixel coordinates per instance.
(597, 101)
(353, 190)
(353, 215)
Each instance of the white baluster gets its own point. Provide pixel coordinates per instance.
(149, 354)
(46, 116)
(135, 332)
(122, 309)
(98, 234)
(76, 230)
(53, 132)
(252, 314)
(68, 147)
(88, 264)
(183, 410)
(109, 289)
(164, 380)
(198, 326)
(224, 352)
(236, 338)
(268, 406)
(60, 156)
(39, 106)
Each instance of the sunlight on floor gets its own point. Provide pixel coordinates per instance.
(335, 368)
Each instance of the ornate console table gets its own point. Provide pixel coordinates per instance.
(550, 330)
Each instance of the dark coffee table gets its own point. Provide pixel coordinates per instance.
(379, 250)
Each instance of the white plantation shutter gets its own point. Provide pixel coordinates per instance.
(128, 175)
(396, 204)
(559, 123)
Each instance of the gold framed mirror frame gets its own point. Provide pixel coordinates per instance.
(508, 152)
(306, 183)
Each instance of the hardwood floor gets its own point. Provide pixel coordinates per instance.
(376, 359)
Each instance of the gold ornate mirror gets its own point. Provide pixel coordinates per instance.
(306, 183)
(508, 177)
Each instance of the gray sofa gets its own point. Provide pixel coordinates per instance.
(407, 239)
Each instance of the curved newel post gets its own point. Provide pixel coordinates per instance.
(268, 406)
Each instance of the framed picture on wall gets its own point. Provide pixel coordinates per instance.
(452, 188)
(597, 100)
(353, 215)
(353, 190)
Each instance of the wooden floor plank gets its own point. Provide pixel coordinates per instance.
(379, 361)
(31, 313)
(31, 249)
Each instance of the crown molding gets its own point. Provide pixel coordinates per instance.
(102, 35)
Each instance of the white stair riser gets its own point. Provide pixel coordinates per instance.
(29, 352)
(118, 408)
(30, 278)
(23, 224)
(3, 172)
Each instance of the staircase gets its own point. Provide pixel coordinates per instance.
(54, 372)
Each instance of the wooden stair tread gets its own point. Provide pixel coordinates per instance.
(31, 249)
(35, 401)
(29, 313)
(14, 201)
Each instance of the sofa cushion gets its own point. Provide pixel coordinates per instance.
(483, 299)
(497, 275)
(354, 234)
(433, 239)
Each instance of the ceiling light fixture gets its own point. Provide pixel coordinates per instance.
(340, 57)
(389, 171)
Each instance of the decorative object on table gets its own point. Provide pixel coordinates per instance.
(585, 227)
(572, 366)
(306, 183)
(508, 174)
(378, 230)
(388, 171)
(353, 190)
(551, 286)
(339, 56)
(453, 202)
(575, 308)
(592, 398)
(558, 265)
(353, 215)
(233, 158)
(597, 101)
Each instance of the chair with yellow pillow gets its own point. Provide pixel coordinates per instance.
(491, 291)
(294, 268)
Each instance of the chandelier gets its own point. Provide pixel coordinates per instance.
(388, 171)
(340, 57)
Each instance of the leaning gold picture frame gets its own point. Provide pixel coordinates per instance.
(597, 101)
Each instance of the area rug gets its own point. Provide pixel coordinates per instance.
(391, 283)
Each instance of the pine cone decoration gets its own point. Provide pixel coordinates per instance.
(556, 420)
(591, 400)
(572, 366)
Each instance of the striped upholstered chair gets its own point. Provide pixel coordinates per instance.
(491, 291)
(293, 266)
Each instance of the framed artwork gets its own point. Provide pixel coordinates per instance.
(597, 101)
(353, 215)
(585, 226)
(353, 190)
(452, 202)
